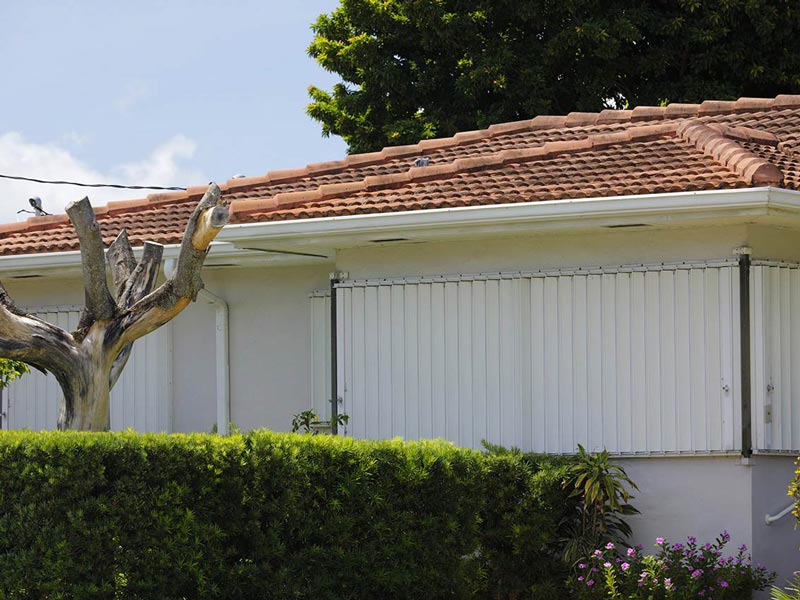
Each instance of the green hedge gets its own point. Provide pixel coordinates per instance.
(268, 515)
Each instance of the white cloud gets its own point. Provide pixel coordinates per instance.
(164, 166)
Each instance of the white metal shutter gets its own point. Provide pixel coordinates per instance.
(141, 399)
(634, 360)
(321, 354)
(776, 352)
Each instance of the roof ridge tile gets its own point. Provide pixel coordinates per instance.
(748, 165)
(748, 134)
(577, 119)
(612, 115)
(118, 206)
(786, 101)
(647, 113)
(35, 224)
(548, 122)
(716, 107)
(752, 104)
(509, 127)
(677, 109)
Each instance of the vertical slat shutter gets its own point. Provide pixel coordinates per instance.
(631, 360)
(776, 352)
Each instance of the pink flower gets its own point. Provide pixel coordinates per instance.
(609, 545)
(590, 582)
(624, 566)
(607, 565)
(631, 551)
(659, 540)
(696, 573)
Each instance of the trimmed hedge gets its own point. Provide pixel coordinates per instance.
(268, 515)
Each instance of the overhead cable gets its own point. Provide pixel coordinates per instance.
(94, 185)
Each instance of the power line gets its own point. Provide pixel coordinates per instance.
(94, 185)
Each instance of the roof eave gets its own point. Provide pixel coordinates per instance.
(556, 215)
(330, 233)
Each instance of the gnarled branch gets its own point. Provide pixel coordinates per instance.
(121, 261)
(137, 285)
(99, 302)
(155, 309)
(31, 340)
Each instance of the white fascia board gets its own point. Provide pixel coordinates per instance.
(49, 261)
(579, 212)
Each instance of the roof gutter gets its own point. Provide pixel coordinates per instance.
(581, 211)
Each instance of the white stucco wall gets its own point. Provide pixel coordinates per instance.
(776, 545)
(702, 496)
(269, 348)
(691, 496)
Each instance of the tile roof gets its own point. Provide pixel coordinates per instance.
(749, 142)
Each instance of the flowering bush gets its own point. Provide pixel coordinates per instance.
(678, 571)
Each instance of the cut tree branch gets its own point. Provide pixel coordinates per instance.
(152, 311)
(99, 302)
(121, 261)
(137, 285)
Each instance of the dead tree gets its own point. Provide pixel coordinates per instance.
(88, 361)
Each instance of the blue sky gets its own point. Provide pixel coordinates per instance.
(162, 93)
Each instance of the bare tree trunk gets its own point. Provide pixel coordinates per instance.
(88, 362)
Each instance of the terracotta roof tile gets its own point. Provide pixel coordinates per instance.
(680, 147)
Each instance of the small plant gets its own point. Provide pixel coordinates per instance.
(790, 593)
(679, 572)
(794, 491)
(308, 422)
(11, 370)
(604, 503)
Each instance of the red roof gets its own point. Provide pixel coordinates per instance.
(750, 142)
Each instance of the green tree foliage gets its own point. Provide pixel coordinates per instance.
(416, 69)
(11, 370)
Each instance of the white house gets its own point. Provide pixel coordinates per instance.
(627, 280)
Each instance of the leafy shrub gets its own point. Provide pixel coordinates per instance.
(682, 572)
(266, 515)
(790, 593)
(596, 504)
(11, 370)
(604, 501)
(522, 535)
(308, 422)
(794, 490)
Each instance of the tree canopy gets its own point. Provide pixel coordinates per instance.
(416, 69)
